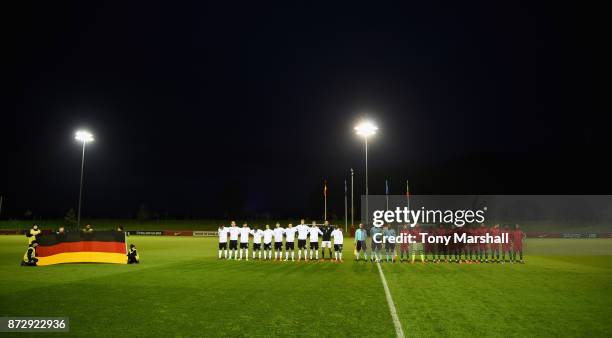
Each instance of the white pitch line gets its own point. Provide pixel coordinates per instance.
(398, 326)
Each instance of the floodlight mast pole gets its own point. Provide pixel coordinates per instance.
(345, 208)
(366, 180)
(366, 129)
(352, 201)
(81, 185)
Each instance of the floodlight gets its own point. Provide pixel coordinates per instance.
(366, 129)
(83, 136)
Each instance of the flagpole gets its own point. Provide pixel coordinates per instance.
(325, 198)
(387, 193)
(407, 200)
(345, 208)
(407, 196)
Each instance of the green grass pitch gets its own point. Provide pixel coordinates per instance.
(181, 289)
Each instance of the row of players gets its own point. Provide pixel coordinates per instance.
(454, 252)
(304, 232)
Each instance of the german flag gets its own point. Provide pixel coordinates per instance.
(79, 247)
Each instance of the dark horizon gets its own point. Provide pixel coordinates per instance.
(208, 111)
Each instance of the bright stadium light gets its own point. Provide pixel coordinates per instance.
(85, 137)
(366, 129)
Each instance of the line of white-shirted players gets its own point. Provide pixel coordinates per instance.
(304, 232)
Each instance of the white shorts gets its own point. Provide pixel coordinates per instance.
(326, 244)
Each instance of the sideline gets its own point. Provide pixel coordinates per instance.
(398, 326)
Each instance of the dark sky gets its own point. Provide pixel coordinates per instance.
(242, 110)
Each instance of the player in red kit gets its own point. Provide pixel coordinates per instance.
(517, 243)
(471, 248)
(506, 247)
(417, 246)
(459, 245)
(482, 247)
(495, 231)
(405, 246)
(439, 250)
(428, 248)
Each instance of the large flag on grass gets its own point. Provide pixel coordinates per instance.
(78, 247)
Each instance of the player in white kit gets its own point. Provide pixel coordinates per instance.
(302, 230)
(338, 238)
(278, 242)
(314, 233)
(245, 231)
(222, 231)
(290, 242)
(257, 235)
(234, 231)
(267, 239)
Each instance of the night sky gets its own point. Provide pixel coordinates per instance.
(242, 110)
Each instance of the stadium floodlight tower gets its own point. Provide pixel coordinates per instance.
(82, 136)
(366, 129)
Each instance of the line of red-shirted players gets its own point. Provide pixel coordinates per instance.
(469, 253)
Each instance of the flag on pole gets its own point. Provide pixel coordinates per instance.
(325, 188)
(325, 198)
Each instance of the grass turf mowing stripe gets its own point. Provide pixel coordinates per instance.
(396, 323)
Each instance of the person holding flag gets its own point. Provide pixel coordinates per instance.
(29, 258)
(32, 233)
(132, 255)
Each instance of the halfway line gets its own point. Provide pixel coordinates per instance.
(398, 326)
